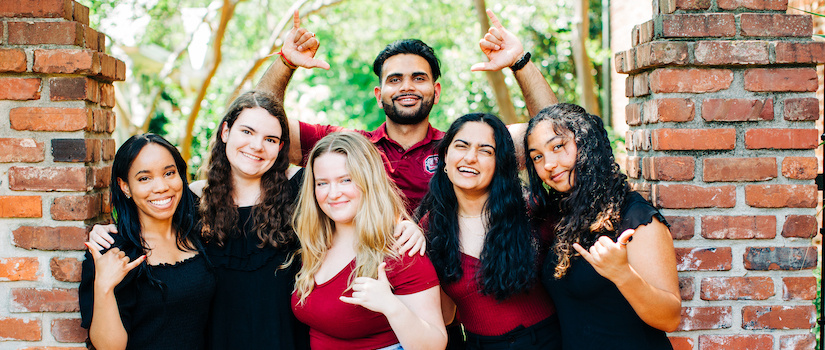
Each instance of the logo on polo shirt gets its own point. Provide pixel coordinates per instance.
(431, 163)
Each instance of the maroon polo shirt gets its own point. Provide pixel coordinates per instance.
(410, 169)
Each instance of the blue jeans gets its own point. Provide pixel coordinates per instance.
(392, 347)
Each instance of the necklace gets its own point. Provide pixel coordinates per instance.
(469, 216)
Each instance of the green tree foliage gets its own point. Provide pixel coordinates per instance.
(351, 33)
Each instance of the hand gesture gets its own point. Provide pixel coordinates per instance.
(409, 237)
(500, 46)
(609, 258)
(100, 236)
(112, 267)
(373, 294)
(301, 45)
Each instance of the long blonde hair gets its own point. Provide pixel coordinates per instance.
(381, 208)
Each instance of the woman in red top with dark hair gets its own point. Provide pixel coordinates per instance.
(480, 240)
(353, 290)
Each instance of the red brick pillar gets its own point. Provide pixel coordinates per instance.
(722, 139)
(56, 120)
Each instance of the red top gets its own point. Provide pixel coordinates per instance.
(337, 325)
(484, 315)
(411, 169)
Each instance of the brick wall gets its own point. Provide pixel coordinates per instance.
(56, 120)
(722, 138)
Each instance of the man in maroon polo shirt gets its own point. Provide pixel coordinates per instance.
(408, 71)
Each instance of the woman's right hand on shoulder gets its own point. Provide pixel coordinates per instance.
(100, 237)
(112, 267)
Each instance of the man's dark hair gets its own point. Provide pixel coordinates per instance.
(408, 46)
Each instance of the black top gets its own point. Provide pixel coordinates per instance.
(251, 309)
(174, 318)
(592, 312)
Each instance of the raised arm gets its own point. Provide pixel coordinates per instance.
(504, 49)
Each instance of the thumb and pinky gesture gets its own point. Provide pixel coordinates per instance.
(371, 293)
(300, 46)
(112, 266)
(607, 257)
(500, 46)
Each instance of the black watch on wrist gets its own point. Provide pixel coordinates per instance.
(521, 62)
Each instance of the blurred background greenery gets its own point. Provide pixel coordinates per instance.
(187, 58)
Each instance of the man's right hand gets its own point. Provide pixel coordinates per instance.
(300, 46)
(100, 237)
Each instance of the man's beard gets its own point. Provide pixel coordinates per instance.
(408, 119)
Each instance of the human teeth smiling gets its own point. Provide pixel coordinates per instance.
(251, 156)
(162, 201)
(465, 169)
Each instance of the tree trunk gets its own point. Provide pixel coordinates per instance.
(584, 68)
(227, 11)
(506, 110)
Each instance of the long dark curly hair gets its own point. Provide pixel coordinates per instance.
(125, 213)
(592, 207)
(271, 217)
(508, 254)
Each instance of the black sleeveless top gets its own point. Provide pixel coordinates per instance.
(592, 312)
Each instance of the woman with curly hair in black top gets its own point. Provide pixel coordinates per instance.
(610, 292)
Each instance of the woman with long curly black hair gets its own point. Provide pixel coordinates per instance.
(610, 292)
(481, 242)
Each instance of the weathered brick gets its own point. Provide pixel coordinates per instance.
(681, 227)
(805, 341)
(801, 168)
(66, 61)
(737, 109)
(668, 168)
(19, 328)
(632, 114)
(713, 53)
(50, 118)
(800, 52)
(66, 270)
(781, 196)
(43, 300)
(692, 139)
(704, 259)
(74, 89)
(76, 150)
(725, 342)
(50, 238)
(686, 288)
(90, 37)
(704, 318)
(737, 288)
(102, 176)
(49, 178)
(81, 13)
(780, 258)
(19, 89)
(45, 33)
(14, 150)
(18, 269)
(624, 61)
(775, 25)
(681, 343)
(633, 167)
(778, 317)
(640, 84)
(661, 53)
(82, 207)
(37, 9)
(692, 196)
(107, 95)
(668, 110)
(107, 149)
(21, 207)
(698, 25)
(120, 70)
(781, 79)
(738, 169)
(12, 60)
(693, 80)
(772, 5)
(106, 202)
(692, 4)
(68, 330)
(800, 226)
(781, 138)
(739, 227)
(801, 109)
(799, 288)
